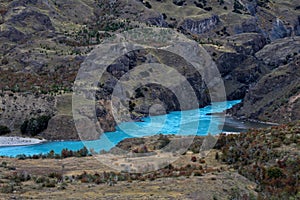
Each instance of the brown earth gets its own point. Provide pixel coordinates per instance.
(211, 185)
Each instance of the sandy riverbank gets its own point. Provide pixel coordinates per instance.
(19, 141)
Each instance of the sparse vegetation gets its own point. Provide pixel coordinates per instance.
(269, 157)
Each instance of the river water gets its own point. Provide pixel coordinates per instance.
(191, 122)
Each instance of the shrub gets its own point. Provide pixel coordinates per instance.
(20, 177)
(179, 2)
(141, 149)
(198, 173)
(35, 126)
(66, 153)
(21, 157)
(7, 189)
(4, 61)
(11, 168)
(3, 164)
(4, 130)
(274, 172)
(56, 175)
(208, 8)
(41, 179)
(221, 2)
(148, 5)
(49, 183)
(193, 159)
(83, 152)
(217, 156)
(163, 141)
(131, 106)
(63, 186)
(263, 3)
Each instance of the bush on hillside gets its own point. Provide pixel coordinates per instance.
(4, 130)
(35, 126)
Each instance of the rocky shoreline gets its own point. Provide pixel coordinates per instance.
(19, 141)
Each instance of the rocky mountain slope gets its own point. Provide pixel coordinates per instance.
(276, 96)
(43, 44)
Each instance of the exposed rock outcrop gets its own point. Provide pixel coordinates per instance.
(247, 43)
(150, 94)
(238, 65)
(249, 25)
(33, 19)
(61, 127)
(12, 34)
(297, 27)
(279, 30)
(157, 21)
(275, 98)
(199, 26)
(279, 52)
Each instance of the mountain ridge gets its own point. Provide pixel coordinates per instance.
(43, 43)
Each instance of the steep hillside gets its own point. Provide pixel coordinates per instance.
(43, 44)
(276, 96)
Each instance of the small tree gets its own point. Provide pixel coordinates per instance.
(35, 126)
(4, 130)
(217, 156)
(83, 152)
(275, 172)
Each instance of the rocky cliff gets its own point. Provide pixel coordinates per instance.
(153, 93)
(276, 96)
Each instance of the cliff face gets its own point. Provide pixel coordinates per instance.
(237, 62)
(150, 87)
(276, 96)
(279, 52)
(201, 25)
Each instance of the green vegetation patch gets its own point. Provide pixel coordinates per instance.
(35, 126)
(4, 130)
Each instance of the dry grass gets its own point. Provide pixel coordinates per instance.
(218, 185)
(64, 104)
